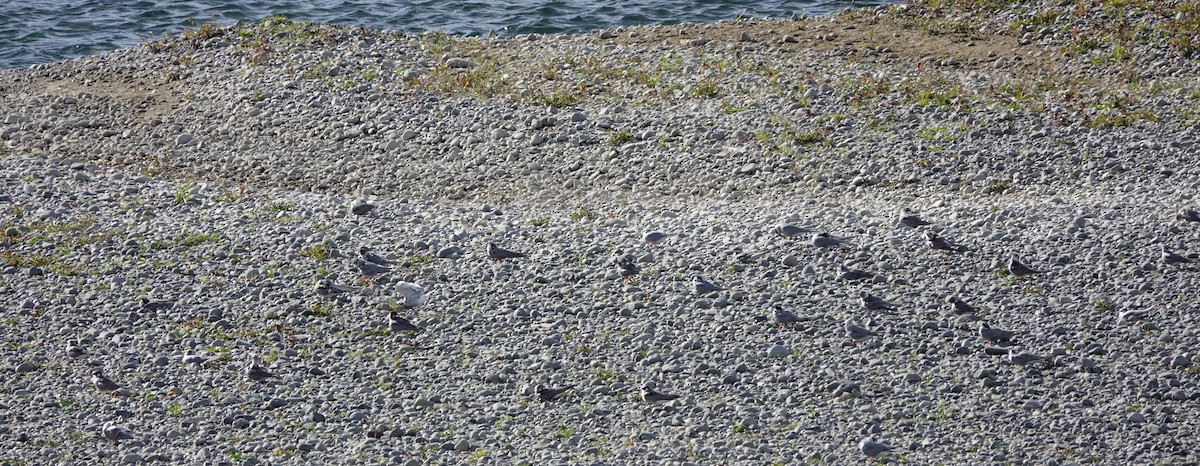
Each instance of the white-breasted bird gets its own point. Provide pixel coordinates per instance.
(114, 433)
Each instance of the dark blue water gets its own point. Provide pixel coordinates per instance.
(40, 31)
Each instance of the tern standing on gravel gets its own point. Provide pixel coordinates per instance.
(824, 240)
(361, 207)
(498, 253)
(995, 335)
(702, 286)
(1023, 359)
(1171, 258)
(871, 448)
(74, 350)
(858, 333)
(652, 238)
(960, 307)
(400, 325)
(256, 372)
(102, 383)
(874, 303)
(853, 275)
(785, 317)
(909, 219)
(550, 394)
(654, 398)
(114, 433)
(1017, 269)
(790, 231)
(327, 290)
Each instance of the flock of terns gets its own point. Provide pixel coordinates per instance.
(371, 264)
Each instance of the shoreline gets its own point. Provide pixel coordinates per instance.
(217, 171)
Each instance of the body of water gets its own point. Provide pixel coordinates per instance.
(41, 31)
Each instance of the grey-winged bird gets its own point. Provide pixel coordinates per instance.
(995, 335)
(652, 238)
(102, 383)
(256, 372)
(937, 243)
(871, 448)
(853, 275)
(550, 394)
(1171, 258)
(789, 231)
(74, 350)
(858, 333)
(114, 433)
(909, 219)
(398, 324)
(653, 397)
(959, 307)
(785, 317)
(702, 286)
(498, 253)
(824, 240)
(874, 303)
(1018, 269)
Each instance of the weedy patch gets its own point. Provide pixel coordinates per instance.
(1105, 305)
(618, 137)
(706, 88)
(583, 213)
(317, 252)
(998, 187)
(320, 310)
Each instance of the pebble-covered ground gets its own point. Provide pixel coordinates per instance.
(175, 212)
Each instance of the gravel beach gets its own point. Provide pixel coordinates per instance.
(179, 211)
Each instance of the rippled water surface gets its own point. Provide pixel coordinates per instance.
(39, 31)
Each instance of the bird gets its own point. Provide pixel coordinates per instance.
(871, 448)
(256, 372)
(327, 289)
(114, 433)
(1188, 215)
(1023, 359)
(102, 383)
(1131, 317)
(74, 350)
(824, 240)
(1018, 269)
(414, 295)
(858, 333)
(960, 307)
(361, 207)
(874, 303)
(653, 397)
(652, 238)
(1171, 258)
(995, 335)
(370, 269)
(550, 394)
(938, 243)
(702, 286)
(784, 317)
(398, 324)
(148, 305)
(194, 359)
(366, 254)
(854, 275)
(909, 219)
(789, 231)
(628, 269)
(498, 253)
